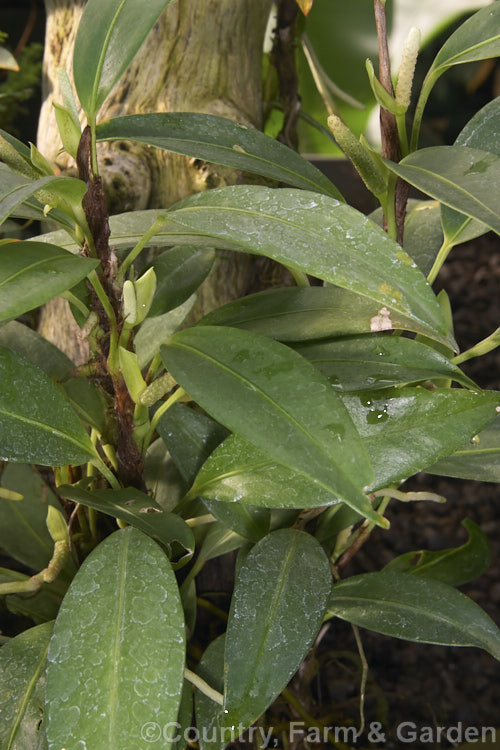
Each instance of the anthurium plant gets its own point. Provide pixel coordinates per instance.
(280, 425)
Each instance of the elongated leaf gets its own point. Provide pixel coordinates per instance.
(363, 363)
(238, 472)
(184, 719)
(402, 430)
(476, 39)
(454, 566)
(37, 424)
(300, 314)
(116, 659)
(248, 521)
(209, 715)
(15, 189)
(315, 234)
(30, 345)
(414, 608)
(423, 234)
(482, 131)
(462, 178)
(479, 458)
(104, 51)
(255, 387)
(162, 476)
(22, 683)
(139, 510)
(23, 529)
(190, 438)
(179, 273)
(222, 141)
(277, 608)
(405, 429)
(88, 401)
(31, 273)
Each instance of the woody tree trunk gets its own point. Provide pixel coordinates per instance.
(202, 56)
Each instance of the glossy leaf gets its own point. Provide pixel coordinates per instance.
(414, 608)
(37, 424)
(454, 566)
(278, 605)
(478, 458)
(404, 430)
(23, 529)
(15, 189)
(116, 658)
(238, 472)
(30, 345)
(103, 51)
(190, 437)
(22, 683)
(162, 476)
(248, 521)
(302, 313)
(476, 39)
(423, 234)
(222, 141)
(271, 396)
(31, 273)
(156, 331)
(88, 401)
(139, 510)
(179, 273)
(363, 363)
(462, 178)
(315, 234)
(482, 131)
(209, 715)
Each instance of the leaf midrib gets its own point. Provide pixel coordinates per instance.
(47, 428)
(32, 266)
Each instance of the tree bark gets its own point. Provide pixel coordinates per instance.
(202, 56)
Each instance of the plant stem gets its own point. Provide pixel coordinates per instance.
(179, 393)
(203, 687)
(443, 253)
(299, 277)
(364, 676)
(310, 721)
(113, 364)
(429, 81)
(158, 224)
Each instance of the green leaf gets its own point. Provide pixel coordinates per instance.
(275, 399)
(23, 529)
(209, 715)
(22, 683)
(30, 345)
(414, 608)
(179, 273)
(184, 718)
(314, 234)
(37, 424)
(476, 39)
(116, 659)
(478, 458)
(238, 472)
(462, 178)
(303, 313)
(370, 362)
(278, 605)
(139, 510)
(482, 131)
(454, 566)
(190, 437)
(423, 232)
(88, 401)
(222, 141)
(15, 189)
(104, 50)
(162, 476)
(31, 273)
(248, 521)
(156, 331)
(404, 430)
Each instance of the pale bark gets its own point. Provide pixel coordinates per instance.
(202, 56)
